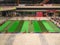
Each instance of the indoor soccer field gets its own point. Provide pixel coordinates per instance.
(26, 26)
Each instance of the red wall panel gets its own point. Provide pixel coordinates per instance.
(39, 14)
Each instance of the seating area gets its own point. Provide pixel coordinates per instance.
(56, 20)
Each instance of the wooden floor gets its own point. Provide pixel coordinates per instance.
(30, 39)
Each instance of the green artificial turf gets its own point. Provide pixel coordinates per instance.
(42, 27)
(36, 27)
(20, 26)
(54, 26)
(47, 26)
(4, 25)
(13, 27)
(25, 27)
